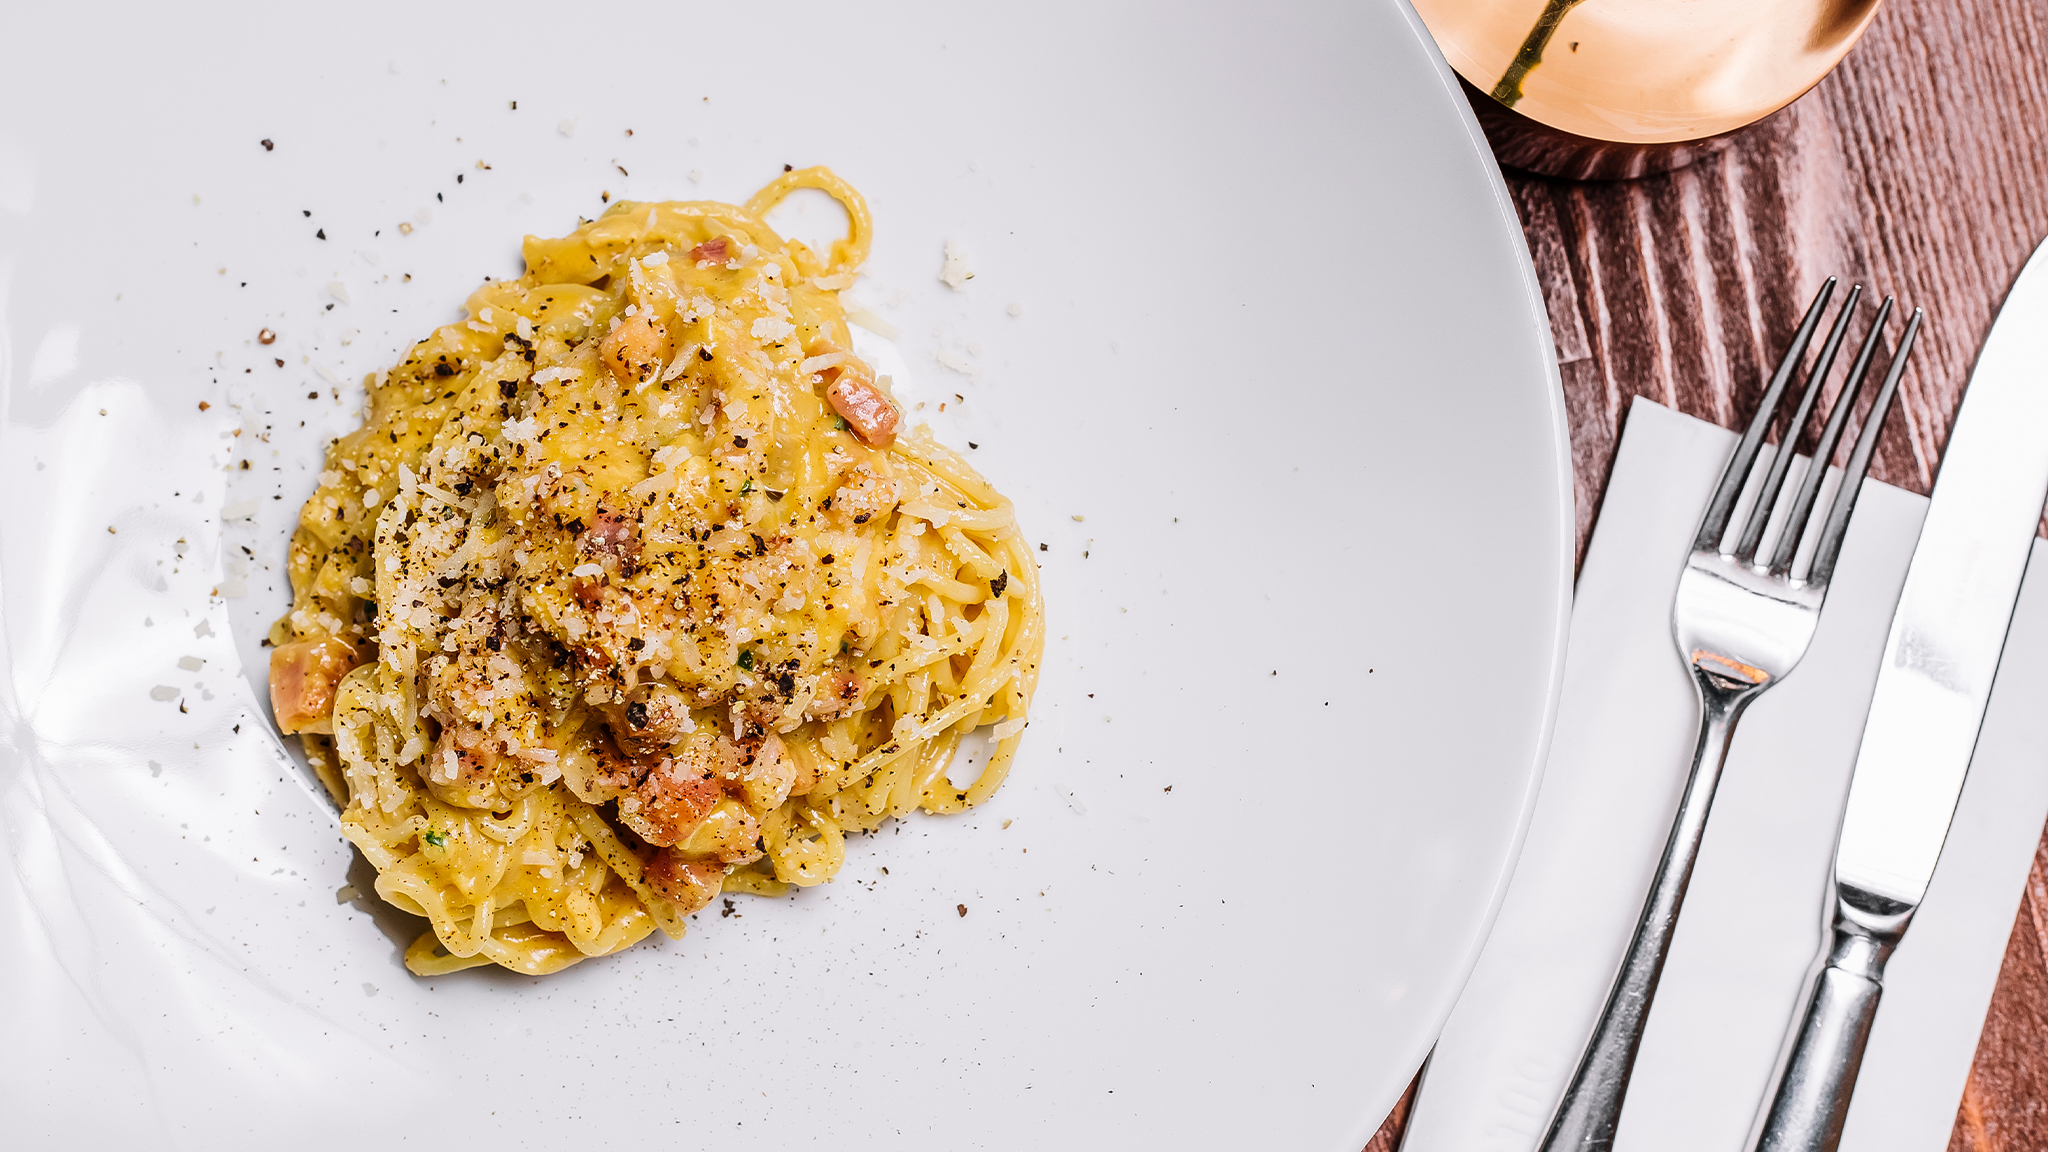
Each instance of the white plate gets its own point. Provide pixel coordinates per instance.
(1278, 345)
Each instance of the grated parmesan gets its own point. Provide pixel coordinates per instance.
(953, 270)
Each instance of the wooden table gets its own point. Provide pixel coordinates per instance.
(1920, 169)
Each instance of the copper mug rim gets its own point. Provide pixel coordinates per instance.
(1645, 72)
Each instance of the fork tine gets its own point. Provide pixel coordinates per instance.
(1859, 460)
(1823, 452)
(1781, 463)
(1714, 524)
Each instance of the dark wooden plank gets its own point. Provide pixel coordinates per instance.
(1919, 168)
(1388, 1138)
(2005, 1107)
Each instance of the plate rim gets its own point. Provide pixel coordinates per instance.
(1562, 493)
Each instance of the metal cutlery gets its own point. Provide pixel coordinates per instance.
(1939, 660)
(1742, 620)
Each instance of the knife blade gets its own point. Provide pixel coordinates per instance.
(1939, 661)
(1950, 626)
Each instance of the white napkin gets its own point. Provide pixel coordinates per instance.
(1755, 916)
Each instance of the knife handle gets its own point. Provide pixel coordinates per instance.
(1811, 1102)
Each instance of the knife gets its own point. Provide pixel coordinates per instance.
(1939, 660)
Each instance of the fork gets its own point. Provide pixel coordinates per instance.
(1741, 621)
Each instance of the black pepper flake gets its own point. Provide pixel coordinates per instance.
(1041, 548)
(508, 388)
(739, 441)
(321, 233)
(972, 444)
(787, 168)
(315, 395)
(825, 559)
(1002, 581)
(636, 714)
(704, 354)
(962, 908)
(268, 146)
(442, 369)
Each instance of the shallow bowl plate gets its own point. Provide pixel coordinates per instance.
(1251, 340)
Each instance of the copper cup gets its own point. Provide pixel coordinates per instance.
(1607, 89)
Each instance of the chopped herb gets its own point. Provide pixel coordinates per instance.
(747, 658)
(839, 423)
(437, 839)
(747, 487)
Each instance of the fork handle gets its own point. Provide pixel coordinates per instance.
(1590, 1110)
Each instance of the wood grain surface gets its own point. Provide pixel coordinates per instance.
(1918, 169)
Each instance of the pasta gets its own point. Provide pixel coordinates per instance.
(631, 591)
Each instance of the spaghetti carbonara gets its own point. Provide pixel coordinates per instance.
(632, 590)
